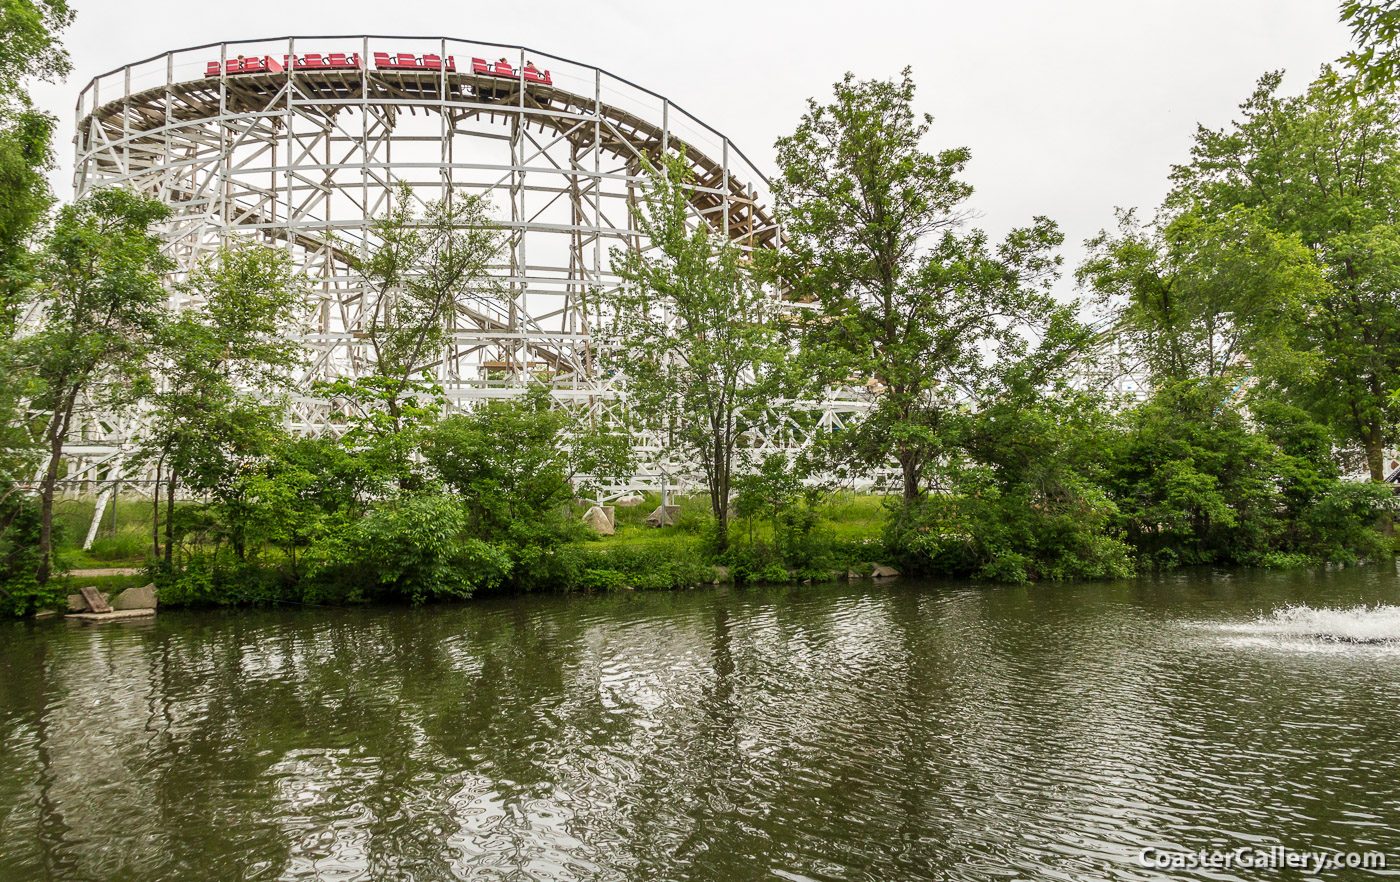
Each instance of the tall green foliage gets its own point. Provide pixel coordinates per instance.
(1322, 168)
(424, 269)
(1191, 296)
(1375, 25)
(1198, 483)
(101, 292)
(514, 465)
(29, 50)
(20, 523)
(696, 336)
(1024, 495)
(221, 363)
(908, 305)
(517, 462)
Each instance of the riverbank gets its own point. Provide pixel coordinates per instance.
(402, 552)
(835, 539)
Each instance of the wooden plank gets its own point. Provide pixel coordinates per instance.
(94, 600)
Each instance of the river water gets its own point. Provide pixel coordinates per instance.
(910, 730)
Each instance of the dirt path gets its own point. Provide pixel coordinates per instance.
(109, 571)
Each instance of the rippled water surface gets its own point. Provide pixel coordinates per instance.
(903, 731)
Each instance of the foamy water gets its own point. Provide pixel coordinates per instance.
(1307, 627)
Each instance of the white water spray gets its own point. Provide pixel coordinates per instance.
(1375, 625)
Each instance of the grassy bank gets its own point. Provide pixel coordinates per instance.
(123, 539)
(838, 535)
(411, 550)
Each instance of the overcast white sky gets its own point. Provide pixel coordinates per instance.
(1070, 108)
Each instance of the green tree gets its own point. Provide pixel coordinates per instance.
(1190, 297)
(303, 491)
(1193, 483)
(421, 273)
(776, 490)
(25, 157)
(517, 462)
(514, 466)
(103, 300)
(907, 305)
(1023, 494)
(19, 557)
(1322, 168)
(30, 50)
(1375, 25)
(1196, 482)
(696, 336)
(221, 366)
(414, 546)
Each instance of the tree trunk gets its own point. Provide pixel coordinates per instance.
(909, 466)
(1375, 452)
(170, 522)
(719, 488)
(46, 510)
(155, 512)
(719, 505)
(1375, 460)
(58, 433)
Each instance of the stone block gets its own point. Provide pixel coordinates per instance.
(664, 516)
(136, 598)
(600, 518)
(883, 572)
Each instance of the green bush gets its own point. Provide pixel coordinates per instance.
(986, 532)
(20, 594)
(412, 547)
(1198, 483)
(675, 566)
(601, 580)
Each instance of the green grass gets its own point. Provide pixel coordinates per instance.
(113, 585)
(845, 517)
(632, 531)
(123, 539)
(854, 516)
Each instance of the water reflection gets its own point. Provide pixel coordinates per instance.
(914, 731)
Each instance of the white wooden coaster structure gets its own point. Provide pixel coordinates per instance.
(300, 142)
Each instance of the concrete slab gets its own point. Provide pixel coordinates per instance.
(116, 616)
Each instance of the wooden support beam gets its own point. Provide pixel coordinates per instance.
(94, 600)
